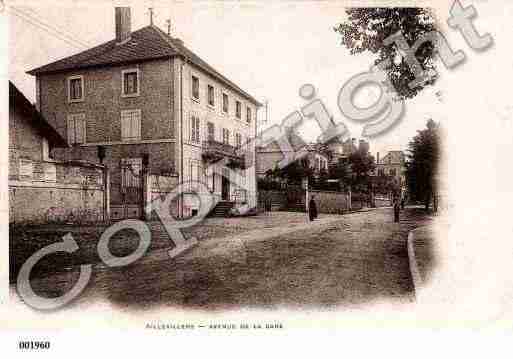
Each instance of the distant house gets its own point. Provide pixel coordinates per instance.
(268, 157)
(341, 150)
(144, 99)
(40, 188)
(392, 165)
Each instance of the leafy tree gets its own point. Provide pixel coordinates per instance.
(361, 164)
(342, 172)
(422, 163)
(296, 171)
(321, 181)
(367, 28)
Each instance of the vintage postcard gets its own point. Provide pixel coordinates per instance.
(195, 168)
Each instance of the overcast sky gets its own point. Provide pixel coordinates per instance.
(269, 48)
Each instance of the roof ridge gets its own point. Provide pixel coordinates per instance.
(167, 38)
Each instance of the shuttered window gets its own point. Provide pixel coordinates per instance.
(211, 97)
(225, 103)
(130, 125)
(26, 168)
(211, 131)
(248, 115)
(238, 109)
(195, 88)
(195, 129)
(76, 128)
(226, 136)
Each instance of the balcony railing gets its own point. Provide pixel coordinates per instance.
(214, 151)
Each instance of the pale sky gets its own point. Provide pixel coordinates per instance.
(268, 48)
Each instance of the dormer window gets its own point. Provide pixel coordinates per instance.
(75, 88)
(130, 82)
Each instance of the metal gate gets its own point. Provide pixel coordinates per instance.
(126, 190)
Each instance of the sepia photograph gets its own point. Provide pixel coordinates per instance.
(255, 166)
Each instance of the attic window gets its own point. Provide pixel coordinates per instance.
(130, 82)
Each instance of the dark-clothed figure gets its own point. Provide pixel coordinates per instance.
(312, 209)
(397, 207)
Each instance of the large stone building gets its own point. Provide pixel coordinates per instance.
(144, 100)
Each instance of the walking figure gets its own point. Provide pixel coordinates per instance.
(312, 209)
(397, 208)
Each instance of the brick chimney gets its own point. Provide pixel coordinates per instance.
(123, 26)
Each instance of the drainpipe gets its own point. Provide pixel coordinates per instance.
(181, 136)
(186, 60)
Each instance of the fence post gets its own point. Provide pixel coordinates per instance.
(106, 194)
(147, 189)
(349, 204)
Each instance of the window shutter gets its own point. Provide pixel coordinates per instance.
(191, 127)
(125, 126)
(82, 125)
(137, 124)
(198, 129)
(71, 130)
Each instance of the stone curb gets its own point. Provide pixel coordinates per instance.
(414, 268)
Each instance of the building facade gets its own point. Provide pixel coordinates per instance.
(145, 101)
(268, 157)
(392, 165)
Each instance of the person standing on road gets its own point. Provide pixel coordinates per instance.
(397, 208)
(312, 209)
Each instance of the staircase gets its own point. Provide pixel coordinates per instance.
(221, 209)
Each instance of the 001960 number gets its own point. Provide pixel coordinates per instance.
(33, 345)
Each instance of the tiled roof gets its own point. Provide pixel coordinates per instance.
(148, 43)
(21, 103)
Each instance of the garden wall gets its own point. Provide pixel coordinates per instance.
(57, 192)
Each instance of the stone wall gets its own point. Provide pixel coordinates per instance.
(75, 194)
(331, 202)
(327, 201)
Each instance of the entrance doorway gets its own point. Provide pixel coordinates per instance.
(225, 185)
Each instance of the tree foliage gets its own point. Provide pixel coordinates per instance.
(361, 164)
(422, 163)
(367, 28)
(294, 172)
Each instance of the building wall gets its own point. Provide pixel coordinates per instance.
(192, 151)
(102, 107)
(267, 160)
(393, 161)
(161, 84)
(24, 141)
(42, 189)
(269, 157)
(74, 194)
